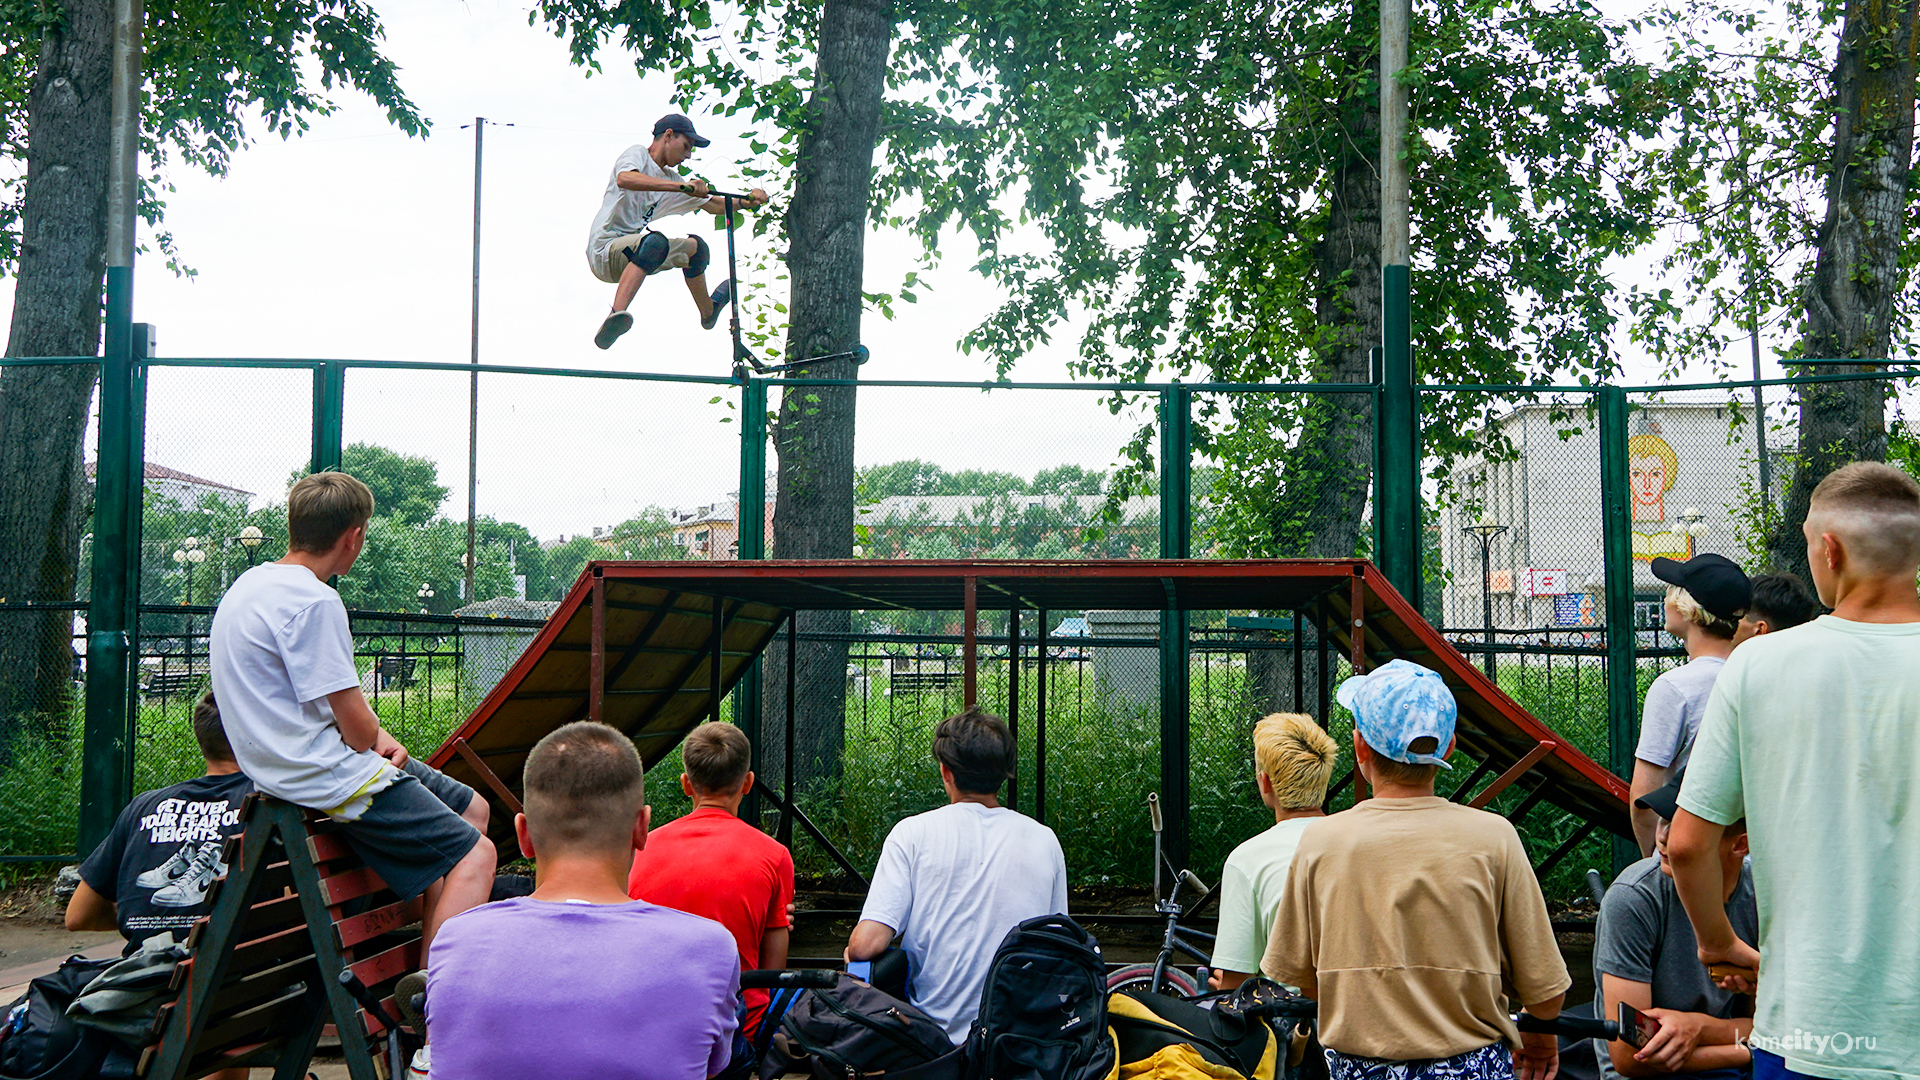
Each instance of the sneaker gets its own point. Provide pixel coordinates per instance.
(410, 993)
(615, 324)
(164, 874)
(190, 888)
(722, 296)
(422, 1062)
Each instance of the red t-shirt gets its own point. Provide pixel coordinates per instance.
(714, 865)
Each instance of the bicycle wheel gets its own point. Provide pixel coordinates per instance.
(1139, 977)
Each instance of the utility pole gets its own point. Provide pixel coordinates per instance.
(1397, 426)
(106, 769)
(479, 126)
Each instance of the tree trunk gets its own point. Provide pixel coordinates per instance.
(1857, 274)
(43, 409)
(1328, 473)
(827, 229)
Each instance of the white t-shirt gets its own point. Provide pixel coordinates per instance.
(1671, 716)
(952, 882)
(1251, 885)
(1810, 735)
(279, 645)
(623, 212)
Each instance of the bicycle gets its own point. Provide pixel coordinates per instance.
(1161, 977)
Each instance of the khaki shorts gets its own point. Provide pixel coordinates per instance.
(610, 262)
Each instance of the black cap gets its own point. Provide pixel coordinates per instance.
(676, 122)
(1665, 799)
(1714, 580)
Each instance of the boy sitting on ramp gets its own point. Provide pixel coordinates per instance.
(623, 248)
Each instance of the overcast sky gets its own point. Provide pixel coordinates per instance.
(354, 241)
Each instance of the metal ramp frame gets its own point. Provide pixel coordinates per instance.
(653, 647)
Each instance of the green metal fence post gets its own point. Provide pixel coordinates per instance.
(1176, 542)
(105, 769)
(1397, 431)
(329, 414)
(1622, 678)
(750, 529)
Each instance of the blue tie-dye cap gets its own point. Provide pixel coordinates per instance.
(1397, 703)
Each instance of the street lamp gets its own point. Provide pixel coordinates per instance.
(425, 593)
(1485, 532)
(1693, 523)
(251, 538)
(189, 555)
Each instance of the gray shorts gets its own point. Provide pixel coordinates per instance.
(412, 833)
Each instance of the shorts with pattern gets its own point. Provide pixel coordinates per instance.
(1493, 1061)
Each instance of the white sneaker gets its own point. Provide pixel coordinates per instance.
(190, 888)
(167, 871)
(418, 1068)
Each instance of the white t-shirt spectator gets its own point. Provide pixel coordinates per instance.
(624, 213)
(1670, 719)
(279, 645)
(952, 882)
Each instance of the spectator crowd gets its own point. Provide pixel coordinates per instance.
(1775, 794)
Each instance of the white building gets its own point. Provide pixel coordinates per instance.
(1692, 477)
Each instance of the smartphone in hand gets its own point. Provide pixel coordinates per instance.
(1636, 1027)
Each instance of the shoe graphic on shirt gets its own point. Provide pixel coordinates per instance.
(165, 874)
(190, 889)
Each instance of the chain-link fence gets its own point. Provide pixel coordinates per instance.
(560, 468)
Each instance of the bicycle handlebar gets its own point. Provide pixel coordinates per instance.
(816, 978)
(1573, 1027)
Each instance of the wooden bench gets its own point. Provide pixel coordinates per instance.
(295, 909)
(919, 682)
(396, 672)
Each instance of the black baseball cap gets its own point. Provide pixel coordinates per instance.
(1665, 799)
(1714, 580)
(673, 121)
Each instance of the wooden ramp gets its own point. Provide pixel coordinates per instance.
(652, 647)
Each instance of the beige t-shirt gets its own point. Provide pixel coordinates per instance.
(1418, 926)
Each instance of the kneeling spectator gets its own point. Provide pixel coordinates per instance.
(711, 864)
(951, 882)
(1644, 954)
(578, 980)
(1416, 922)
(1293, 761)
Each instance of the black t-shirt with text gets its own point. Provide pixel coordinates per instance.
(159, 862)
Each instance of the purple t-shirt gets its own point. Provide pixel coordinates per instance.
(633, 991)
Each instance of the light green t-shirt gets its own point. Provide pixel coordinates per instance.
(1251, 885)
(1813, 735)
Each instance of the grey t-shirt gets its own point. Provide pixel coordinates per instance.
(1643, 935)
(1671, 716)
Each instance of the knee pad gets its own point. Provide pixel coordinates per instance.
(649, 253)
(697, 262)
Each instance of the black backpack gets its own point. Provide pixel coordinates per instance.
(1043, 1011)
(37, 1040)
(856, 1030)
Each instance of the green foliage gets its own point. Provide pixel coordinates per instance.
(216, 74)
(405, 487)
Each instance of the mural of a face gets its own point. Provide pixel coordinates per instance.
(1652, 468)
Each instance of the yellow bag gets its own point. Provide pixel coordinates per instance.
(1164, 1038)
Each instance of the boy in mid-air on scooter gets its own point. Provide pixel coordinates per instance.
(623, 249)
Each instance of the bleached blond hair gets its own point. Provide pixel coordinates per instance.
(1297, 757)
(1690, 610)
